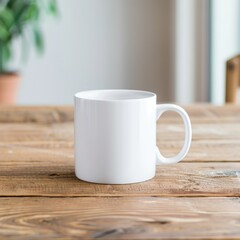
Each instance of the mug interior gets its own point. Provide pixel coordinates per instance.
(114, 95)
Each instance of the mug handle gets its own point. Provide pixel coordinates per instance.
(161, 108)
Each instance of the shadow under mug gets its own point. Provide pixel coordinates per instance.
(115, 136)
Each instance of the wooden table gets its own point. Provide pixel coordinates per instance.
(40, 198)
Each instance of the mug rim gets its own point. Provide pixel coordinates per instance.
(139, 95)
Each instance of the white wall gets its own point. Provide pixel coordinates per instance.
(102, 44)
(191, 51)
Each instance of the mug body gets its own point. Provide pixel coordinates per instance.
(115, 136)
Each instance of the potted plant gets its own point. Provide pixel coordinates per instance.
(19, 19)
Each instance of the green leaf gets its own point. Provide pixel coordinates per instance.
(52, 7)
(30, 13)
(6, 21)
(17, 7)
(5, 55)
(20, 17)
(10, 3)
(4, 33)
(38, 40)
(7, 17)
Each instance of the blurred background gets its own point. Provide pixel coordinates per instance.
(175, 48)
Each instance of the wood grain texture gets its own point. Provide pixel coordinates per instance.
(199, 113)
(46, 133)
(120, 218)
(36, 114)
(40, 197)
(183, 179)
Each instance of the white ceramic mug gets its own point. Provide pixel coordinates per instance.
(115, 136)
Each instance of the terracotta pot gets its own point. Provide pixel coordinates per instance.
(8, 88)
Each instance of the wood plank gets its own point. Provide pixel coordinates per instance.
(205, 150)
(60, 151)
(39, 142)
(36, 114)
(119, 218)
(64, 132)
(40, 135)
(199, 113)
(200, 151)
(182, 179)
(36, 159)
(11, 132)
